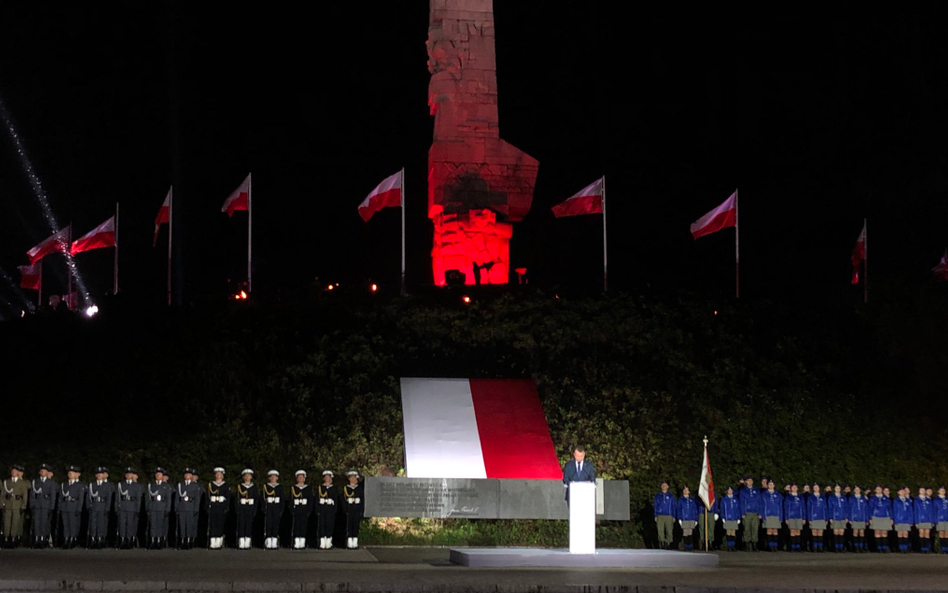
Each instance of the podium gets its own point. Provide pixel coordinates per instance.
(582, 517)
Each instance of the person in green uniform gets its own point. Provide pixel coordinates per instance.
(13, 500)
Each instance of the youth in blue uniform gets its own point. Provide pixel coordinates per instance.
(730, 508)
(837, 509)
(794, 512)
(666, 508)
(880, 518)
(940, 510)
(903, 514)
(687, 517)
(924, 518)
(816, 516)
(772, 507)
(751, 507)
(858, 519)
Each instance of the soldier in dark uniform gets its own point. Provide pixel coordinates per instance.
(128, 505)
(218, 507)
(353, 497)
(272, 510)
(327, 500)
(16, 494)
(99, 496)
(71, 497)
(158, 506)
(187, 505)
(43, 492)
(301, 505)
(248, 500)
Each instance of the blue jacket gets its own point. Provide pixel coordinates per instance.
(902, 510)
(859, 509)
(772, 504)
(815, 507)
(940, 506)
(924, 510)
(837, 507)
(687, 509)
(665, 504)
(794, 507)
(751, 501)
(880, 506)
(730, 507)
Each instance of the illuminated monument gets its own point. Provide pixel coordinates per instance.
(478, 184)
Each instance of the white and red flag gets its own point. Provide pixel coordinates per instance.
(98, 238)
(586, 201)
(706, 486)
(859, 254)
(386, 194)
(164, 214)
(722, 217)
(55, 242)
(476, 428)
(239, 199)
(941, 270)
(31, 276)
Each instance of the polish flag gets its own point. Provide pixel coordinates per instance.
(722, 217)
(859, 254)
(386, 194)
(586, 201)
(706, 486)
(476, 428)
(55, 242)
(98, 238)
(239, 199)
(941, 270)
(163, 216)
(30, 276)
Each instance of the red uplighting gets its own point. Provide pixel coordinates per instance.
(715, 312)
(374, 287)
(466, 300)
(241, 296)
(330, 287)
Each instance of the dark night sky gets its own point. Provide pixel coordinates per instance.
(819, 118)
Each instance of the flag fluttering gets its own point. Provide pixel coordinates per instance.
(859, 254)
(722, 217)
(164, 214)
(586, 201)
(706, 486)
(55, 242)
(31, 276)
(100, 237)
(941, 270)
(239, 199)
(386, 194)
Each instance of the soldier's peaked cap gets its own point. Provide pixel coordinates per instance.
(18, 467)
(44, 466)
(74, 468)
(160, 470)
(131, 470)
(189, 470)
(101, 470)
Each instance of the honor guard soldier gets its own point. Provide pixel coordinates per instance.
(940, 511)
(16, 495)
(218, 507)
(272, 510)
(772, 513)
(751, 507)
(880, 519)
(158, 506)
(187, 505)
(858, 519)
(353, 495)
(301, 506)
(248, 499)
(42, 506)
(687, 518)
(327, 497)
(903, 515)
(924, 519)
(816, 517)
(99, 497)
(71, 498)
(837, 509)
(128, 496)
(730, 508)
(666, 509)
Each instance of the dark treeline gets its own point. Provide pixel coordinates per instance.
(801, 392)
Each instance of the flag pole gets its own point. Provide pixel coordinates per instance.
(706, 509)
(170, 236)
(865, 262)
(249, 232)
(115, 288)
(68, 268)
(605, 258)
(737, 250)
(404, 289)
(39, 297)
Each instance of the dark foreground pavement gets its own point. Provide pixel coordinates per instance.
(408, 570)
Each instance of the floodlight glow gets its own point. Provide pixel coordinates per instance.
(91, 310)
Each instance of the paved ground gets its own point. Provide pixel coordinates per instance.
(390, 569)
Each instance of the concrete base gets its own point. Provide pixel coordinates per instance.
(603, 558)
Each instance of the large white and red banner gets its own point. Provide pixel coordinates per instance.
(706, 485)
(476, 428)
(163, 217)
(387, 194)
(859, 254)
(722, 217)
(239, 199)
(31, 276)
(586, 201)
(55, 242)
(100, 237)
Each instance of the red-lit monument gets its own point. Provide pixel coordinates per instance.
(478, 184)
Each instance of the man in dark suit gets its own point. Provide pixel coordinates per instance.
(578, 470)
